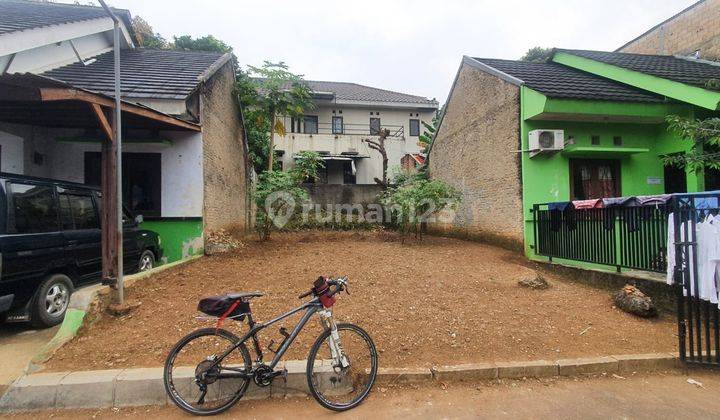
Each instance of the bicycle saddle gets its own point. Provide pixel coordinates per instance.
(245, 296)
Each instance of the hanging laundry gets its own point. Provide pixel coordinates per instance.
(709, 254)
(618, 201)
(650, 200)
(594, 203)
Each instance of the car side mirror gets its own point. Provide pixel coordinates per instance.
(139, 219)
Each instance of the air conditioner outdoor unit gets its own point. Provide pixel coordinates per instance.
(546, 140)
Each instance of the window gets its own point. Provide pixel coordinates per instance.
(617, 141)
(374, 126)
(414, 127)
(141, 180)
(311, 124)
(595, 140)
(594, 178)
(34, 209)
(337, 125)
(78, 212)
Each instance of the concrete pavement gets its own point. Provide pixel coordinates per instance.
(18, 344)
(640, 396)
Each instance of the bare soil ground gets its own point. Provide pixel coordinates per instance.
(440, 301)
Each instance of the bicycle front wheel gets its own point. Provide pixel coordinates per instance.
(194, 379)
(341, 370)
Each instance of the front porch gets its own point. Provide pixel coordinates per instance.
(62, 136)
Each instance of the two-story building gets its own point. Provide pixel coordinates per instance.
(184, 153)
(345, 115)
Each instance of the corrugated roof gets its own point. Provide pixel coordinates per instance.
(145, 73)
(355, 92)
(684, 70)
(18, 15)
(558, 81)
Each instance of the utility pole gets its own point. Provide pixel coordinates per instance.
(115, 242)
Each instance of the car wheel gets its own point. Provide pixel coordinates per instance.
(147, 261)
(51, 301)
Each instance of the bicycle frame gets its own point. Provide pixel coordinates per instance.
(310, 308)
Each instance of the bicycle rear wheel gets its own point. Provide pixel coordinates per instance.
(191, 381)
(337, 387)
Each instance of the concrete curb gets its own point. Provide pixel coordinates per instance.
(144, 386)
(80, 302)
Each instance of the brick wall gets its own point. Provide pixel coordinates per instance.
(476, 152)
(697, 28)
(224, 156)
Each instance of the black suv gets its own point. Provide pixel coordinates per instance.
(50, 245)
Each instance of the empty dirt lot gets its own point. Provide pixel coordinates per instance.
(441, 301)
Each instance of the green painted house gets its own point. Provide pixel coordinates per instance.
(583, 124)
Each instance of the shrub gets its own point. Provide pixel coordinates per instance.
(417, 201)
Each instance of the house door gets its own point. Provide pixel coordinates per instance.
(594, 178)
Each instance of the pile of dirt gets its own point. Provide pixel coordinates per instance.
(435, 302)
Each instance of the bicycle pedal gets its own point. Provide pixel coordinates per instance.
(284, 374)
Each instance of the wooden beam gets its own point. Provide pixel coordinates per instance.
(67, 94)
(104, 124)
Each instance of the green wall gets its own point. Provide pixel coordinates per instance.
(546, 177)
(180, 238)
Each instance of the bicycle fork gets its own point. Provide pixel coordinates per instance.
(336, 350)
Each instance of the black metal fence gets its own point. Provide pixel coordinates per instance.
(623, 237)
(698, 317)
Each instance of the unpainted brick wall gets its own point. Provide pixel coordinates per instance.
(696, 29)
(225, 157)
(476, 151)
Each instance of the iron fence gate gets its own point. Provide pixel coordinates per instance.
(623, 237)
(698, 324)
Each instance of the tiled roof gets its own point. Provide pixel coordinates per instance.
(684, 70)
(355, 92)
(18, 15)
(559, 81)
(145, 73)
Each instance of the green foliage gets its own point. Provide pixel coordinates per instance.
(705, 135)
(537, 54)
(280, 193)
(279, 91)
(276, 193)
(416, 201)
(273, 91)
(428, 135)
(204, 43)
(145, 36)
(306, 166)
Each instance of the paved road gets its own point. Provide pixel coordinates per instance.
(18, 344)
(655, 397)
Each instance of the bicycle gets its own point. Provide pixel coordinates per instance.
(210, 369)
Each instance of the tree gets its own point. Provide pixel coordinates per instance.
(416, 200)
(278, 92)
(537, 54)
(428, 135)
(705, 150)
(205, 43)
(379, 146)
(145, 36)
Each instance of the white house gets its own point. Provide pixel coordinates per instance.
(184, 151)
(345, 114)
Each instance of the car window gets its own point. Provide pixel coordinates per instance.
(34, 208)
(81, 212)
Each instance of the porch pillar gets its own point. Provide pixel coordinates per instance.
(108, 218)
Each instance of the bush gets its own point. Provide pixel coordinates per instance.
(279, 196)
(417, 201)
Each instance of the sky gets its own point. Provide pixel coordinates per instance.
(413, 47)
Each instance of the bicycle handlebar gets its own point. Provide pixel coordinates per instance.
(340, 284)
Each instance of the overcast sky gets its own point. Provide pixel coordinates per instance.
(408, 46)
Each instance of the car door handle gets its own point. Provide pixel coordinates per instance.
(73, 242)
